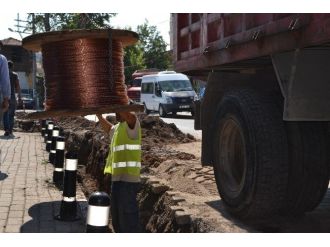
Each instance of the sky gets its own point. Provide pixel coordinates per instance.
(157, 12)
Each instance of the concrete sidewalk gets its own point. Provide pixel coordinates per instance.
(28, 198)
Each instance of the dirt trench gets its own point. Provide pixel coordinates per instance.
(159, 208)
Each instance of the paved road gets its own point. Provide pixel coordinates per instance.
(28, 198)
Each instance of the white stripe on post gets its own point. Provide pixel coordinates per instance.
(71, 164)
(53, 151)
(58, 169)
(98, 215)
(56, 132)
(69, 199)
(60, 145)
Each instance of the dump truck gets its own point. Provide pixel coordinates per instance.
(264, 116)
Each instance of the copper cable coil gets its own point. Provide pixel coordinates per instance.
(77, 74)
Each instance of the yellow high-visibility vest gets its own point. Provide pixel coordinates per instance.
(124, 158)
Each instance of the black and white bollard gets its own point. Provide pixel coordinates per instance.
(49, 138)
(49, 135)
(52, 153)
(59, 161)
(68, 210)
(49, 124)
(43, 126)
(98, 213)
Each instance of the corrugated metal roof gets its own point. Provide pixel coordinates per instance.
(11, 41)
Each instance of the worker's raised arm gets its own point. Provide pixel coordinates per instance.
(106, 125)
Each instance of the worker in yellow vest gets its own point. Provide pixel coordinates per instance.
(124, 164)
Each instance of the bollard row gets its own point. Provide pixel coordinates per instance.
(65, 173)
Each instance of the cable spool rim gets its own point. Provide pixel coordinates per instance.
(34, 42)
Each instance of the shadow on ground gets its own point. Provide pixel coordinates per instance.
(9, 138)
(3, 176)
(43, 221)
(316, 221)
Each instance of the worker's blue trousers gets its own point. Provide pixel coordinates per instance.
(124, 207)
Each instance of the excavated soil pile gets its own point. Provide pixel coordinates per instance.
(92, 144)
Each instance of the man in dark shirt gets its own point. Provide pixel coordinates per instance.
(8, 116)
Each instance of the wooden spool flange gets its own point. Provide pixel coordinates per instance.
(34, 42)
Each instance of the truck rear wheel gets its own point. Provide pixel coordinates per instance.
(309, 166)
(250, 154)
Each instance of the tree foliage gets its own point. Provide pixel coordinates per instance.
(43, 22)
(149, 52)
(154, 47)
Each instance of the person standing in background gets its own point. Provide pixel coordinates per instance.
(8, 116)
(4, 84)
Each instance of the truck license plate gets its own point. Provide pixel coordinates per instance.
(184, 106)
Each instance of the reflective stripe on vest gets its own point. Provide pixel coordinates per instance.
(125, 154)
(126, 164)
(126, 147)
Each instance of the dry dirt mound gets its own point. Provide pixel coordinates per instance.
(92, 145)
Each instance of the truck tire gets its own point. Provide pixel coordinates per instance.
(309, 166)
(162, 111)
(250, 154)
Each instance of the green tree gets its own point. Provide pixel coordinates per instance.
(133, 60)
(43, 22)
(154, 47)
(149, 52)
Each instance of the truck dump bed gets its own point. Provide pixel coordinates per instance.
(202, 42)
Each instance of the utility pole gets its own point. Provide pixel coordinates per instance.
(34, 68)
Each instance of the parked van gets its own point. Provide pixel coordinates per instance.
(167, 92)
